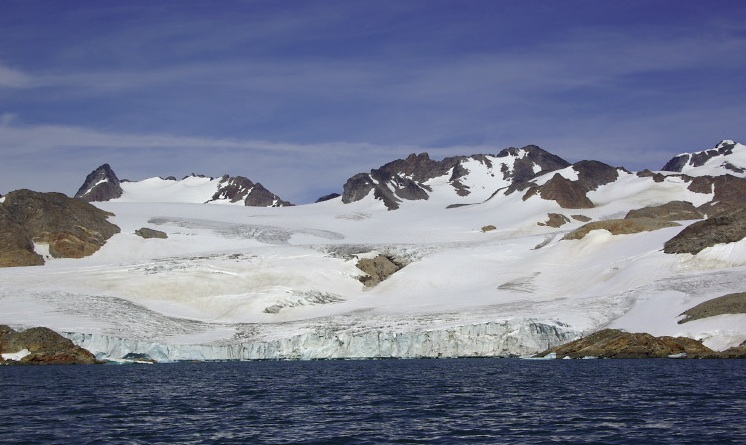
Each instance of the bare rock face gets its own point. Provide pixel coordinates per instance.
(100, 185)
(568, 194)
(150, 233)
(620, 227)
(377, 269)
(488, 228)
(261, 197)
(729, 193)
(613, 343)
(45, 347)
(672, 211)
(728, 227)
(72, 228)
(727, 304)
(16, 248)
(571, 194)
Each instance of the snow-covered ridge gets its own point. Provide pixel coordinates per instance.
(103, 185)
(726, 157)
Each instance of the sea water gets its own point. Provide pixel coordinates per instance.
(458, 401)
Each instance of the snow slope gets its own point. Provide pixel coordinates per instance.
(251, 283)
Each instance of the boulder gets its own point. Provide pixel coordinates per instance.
(555, 220)
(150, 233)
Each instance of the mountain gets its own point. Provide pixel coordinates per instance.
(726, 157)
(464, 179)
(483, 255)
(103, 185)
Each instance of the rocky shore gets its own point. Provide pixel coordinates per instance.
(40, 346)
(613, 343)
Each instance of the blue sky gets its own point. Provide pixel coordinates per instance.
(301, 95)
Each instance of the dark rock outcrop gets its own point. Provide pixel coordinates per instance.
(568, 194)
(100, 185)
(150, 233)
(239, 188)
(377, 269)
(727, 304)
(328, 197)
(620, 227)
(728, 227)
(729, 193)
(45, 347)
(613, 343)
(261, 197)
(72, 228)
(671, 211)
(571, 194)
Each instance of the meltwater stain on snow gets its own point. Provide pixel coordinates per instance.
(264, 234)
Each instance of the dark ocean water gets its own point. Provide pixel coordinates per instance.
(391, 401)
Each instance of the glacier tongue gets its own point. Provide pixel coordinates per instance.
(506, 338)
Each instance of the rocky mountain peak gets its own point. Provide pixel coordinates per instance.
(409, 178)
(101, 184)
(725, 150)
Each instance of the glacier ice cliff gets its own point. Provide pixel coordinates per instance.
(505, 338)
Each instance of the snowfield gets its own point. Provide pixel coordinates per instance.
(235, 282)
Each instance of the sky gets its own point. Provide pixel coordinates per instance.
(300, 95)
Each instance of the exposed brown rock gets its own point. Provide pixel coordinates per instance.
(16, 248)
(555, 220)
(45, 346)
(488, 228)
(730, 194)
(568, 194)
(727, 304)
(613, 343)
(72, 228)
(657, 177)
(620, 227)
(377, 269)
(581, 218)
(726, 228)
(150, 233)
(672, 211)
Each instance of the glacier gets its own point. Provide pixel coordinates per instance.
(508, 338)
